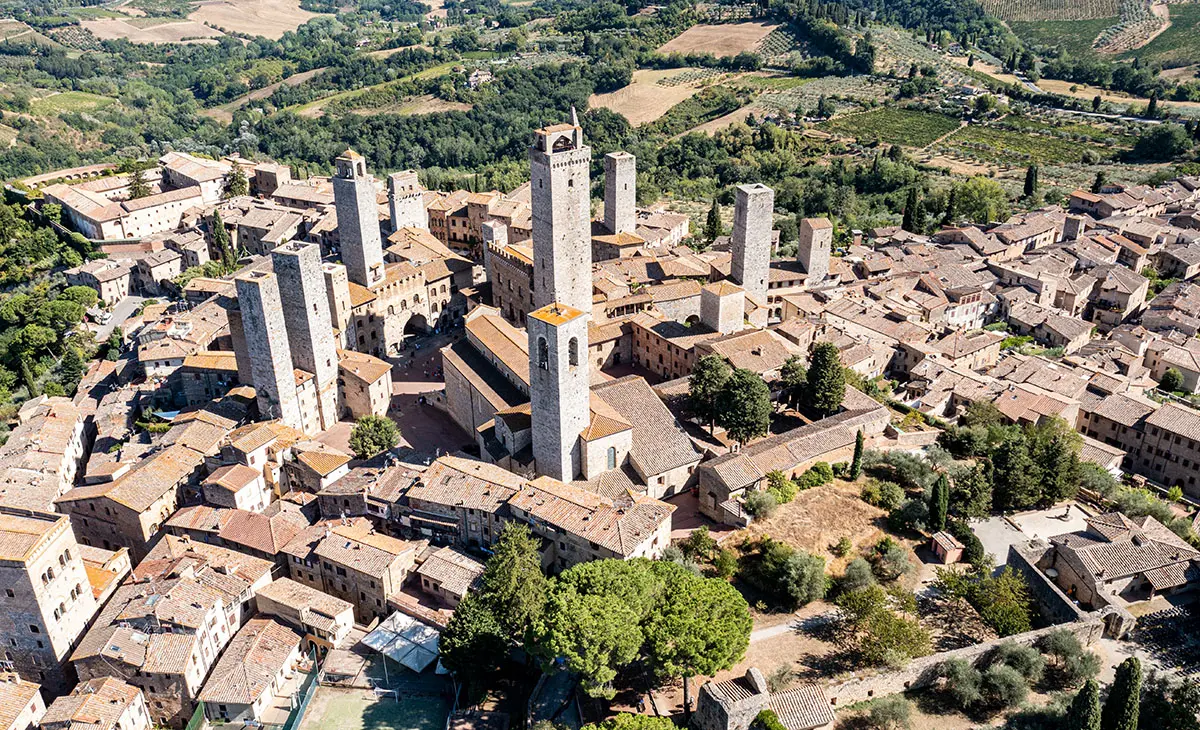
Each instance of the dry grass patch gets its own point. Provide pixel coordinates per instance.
(719, 40)
(158, 31)
(270, 18)
(644, 99)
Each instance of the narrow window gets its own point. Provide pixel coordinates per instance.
(543, 354)
(573, 352)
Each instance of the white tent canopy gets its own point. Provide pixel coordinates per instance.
(406, 641)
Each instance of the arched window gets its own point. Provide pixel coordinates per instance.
(403, 304)
(573, 352)
(543, 354)
(612, 457)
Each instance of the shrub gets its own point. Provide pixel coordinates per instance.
(973, 552)
(1003, 687)
(792, 577)
(761, 505)
(883, 494)
(858, 575)
(1025, 659)
(1070, 664)
(767, 720)
(911, 516)
(843, 547)
(726, 563)
(779, 486)
(891, 713)
(891, 560)
(961, 683)
(699, 544)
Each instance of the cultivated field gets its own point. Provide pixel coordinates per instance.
(224, 113)
(270, 18)
(151, 30)
(1052, 9)
(1178, 44)
(1073, 36)
(991, 144)
(905, 127)
(645, 99)
(67, 101)
(719, 40)
(417, 106)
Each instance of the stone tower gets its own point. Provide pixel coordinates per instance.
(722, 307)
(337, 289)
(620, 192)
(816, 240)
(358, 220)
(751, 244)
(306, 305)
(271, 370)
(559, 388)
(562, 227)
(406, 201)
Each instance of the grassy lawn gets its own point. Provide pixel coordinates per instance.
(1073, 36)
(1178, 45)
(905, 127)
(68, 101)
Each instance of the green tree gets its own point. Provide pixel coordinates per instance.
(71, 368)
(870, 629)
(971, 497)
(793, 377)
(373, 435)
(473, 643)
(1099, 182)
(513, 583)
(1121, 708)
(221, 242)
(826, 380)
(593, 634)
(1069, 663)
(939, 503)
(708, 379)
(982, 200)
(53, 212)
(1172, 380)
(744, 406)
(858, 574)
(627, 721)
(1031, 182)
(1054, 447)
(911, 204)
(856, 462)
(700, 628)
(951, 207)
(1085, 708)
(1152, 107)
(1016, 484)
(236, 184)
(712, 223)
(138, 187)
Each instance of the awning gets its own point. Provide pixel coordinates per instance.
(406, 641)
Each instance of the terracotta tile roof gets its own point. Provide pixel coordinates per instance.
(256, 655)
(365, 367)
(659, 443)
(96, 704)
(456, 572)
(314, 607)
(356, 546)
(802, 708)
(1176, 419)
(454, 481)
(618, 525)
(233, 478)
(605, 421)
(323, 461)
(15, 696)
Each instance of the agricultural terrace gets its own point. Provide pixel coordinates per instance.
(1179, 44)
(861, 90)
(897, 50)
(151, 30)
(1073, 36)
(719, 40)
(270, 18)
(1030, 10)
(906, 127)
(651, 93)
(1004, 147)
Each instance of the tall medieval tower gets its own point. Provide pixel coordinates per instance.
(274, 378)
(310, 334)
(358, 220)
(406, 201)
(562, 228)
(559, 387)
(750, 265)
(620, 192)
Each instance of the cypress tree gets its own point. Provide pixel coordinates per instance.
(911, 204)
(1031, 181)
(856, 463)
(1152, 107)
(939, 504)
(1121, 707)
(712, 224)
(951, 206)
(222, 243)
(1085, 708)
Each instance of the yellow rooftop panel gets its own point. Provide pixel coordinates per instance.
(556, 314)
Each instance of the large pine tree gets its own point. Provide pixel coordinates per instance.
(1121, 707)
(826, 380)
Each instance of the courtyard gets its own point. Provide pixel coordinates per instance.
(335, 708)
(999, 533)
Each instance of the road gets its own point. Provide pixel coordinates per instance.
(120, 313)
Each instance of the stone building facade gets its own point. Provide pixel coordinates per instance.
(561, 200)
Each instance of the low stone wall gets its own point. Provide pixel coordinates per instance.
(923, 672)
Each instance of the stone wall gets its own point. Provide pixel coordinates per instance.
(1053, 605)
(923, 672)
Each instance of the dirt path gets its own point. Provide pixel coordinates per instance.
(712, 127)
(939, 140)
